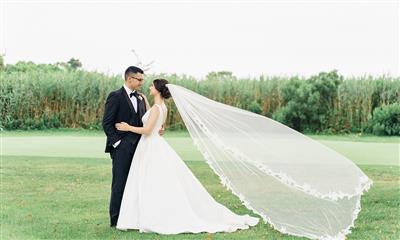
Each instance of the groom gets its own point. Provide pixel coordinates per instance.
(123, 105)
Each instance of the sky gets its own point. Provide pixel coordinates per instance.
(248, 38)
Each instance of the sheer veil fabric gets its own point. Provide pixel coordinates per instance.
(296, 184)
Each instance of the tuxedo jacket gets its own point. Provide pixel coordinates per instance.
(119, 108)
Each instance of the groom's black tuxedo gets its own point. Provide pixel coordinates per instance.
(119, 108)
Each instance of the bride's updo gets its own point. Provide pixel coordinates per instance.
(160, 85)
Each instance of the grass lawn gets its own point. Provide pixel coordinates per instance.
(56, 185)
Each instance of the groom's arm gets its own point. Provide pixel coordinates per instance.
(110, 111)
(161, 131)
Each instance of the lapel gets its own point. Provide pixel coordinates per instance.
(128, 100)
(141, 108)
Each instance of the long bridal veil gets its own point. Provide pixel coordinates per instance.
(293, 182)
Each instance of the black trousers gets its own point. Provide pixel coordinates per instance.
(121, 162)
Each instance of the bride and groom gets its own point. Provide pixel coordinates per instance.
(152, 189)
(296, 184)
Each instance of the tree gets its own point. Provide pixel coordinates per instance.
(308, 103)
(74, 64)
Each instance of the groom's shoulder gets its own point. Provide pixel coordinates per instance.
(114, 95)
(117, 92)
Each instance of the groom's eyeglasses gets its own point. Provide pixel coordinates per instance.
(139, 79)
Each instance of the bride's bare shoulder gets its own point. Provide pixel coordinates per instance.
(155, 106)
(162, 106)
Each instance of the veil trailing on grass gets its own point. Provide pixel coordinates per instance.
(293, 182)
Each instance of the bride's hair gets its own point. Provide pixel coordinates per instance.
(160, 85)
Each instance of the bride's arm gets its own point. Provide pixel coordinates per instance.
(146, 130)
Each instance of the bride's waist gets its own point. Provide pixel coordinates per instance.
(152, 135)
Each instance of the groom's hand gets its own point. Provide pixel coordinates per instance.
(161, 131)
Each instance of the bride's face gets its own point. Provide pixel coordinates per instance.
(153, 90)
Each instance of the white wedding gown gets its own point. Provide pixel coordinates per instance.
(162, 195)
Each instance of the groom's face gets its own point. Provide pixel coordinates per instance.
(135, 81)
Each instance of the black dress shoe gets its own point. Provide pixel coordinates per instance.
(113, 225)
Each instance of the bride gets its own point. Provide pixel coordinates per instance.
(161, 193)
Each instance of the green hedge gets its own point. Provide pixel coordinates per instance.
(385, 120)
(51, 96)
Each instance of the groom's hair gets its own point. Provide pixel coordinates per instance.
(132, 70)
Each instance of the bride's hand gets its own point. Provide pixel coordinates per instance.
(145, 100)
(143, 96)
(123, 126)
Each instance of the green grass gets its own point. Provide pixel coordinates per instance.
(86, 143)
(66, 197)
(98, 133)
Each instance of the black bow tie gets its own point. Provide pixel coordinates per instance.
(134, 94)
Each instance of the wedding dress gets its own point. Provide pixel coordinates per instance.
(162, 195)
